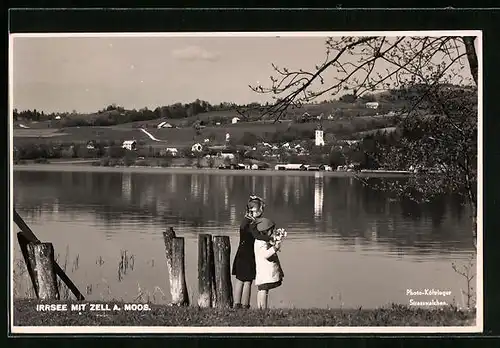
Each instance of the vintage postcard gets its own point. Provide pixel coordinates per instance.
(277, 182)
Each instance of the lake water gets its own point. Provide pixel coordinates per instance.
(348, 246)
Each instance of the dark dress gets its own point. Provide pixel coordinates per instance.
(244, 260)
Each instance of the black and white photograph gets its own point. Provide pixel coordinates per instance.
(246, 182)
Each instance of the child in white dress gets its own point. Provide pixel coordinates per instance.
(269, 274)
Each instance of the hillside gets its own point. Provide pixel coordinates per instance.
(350, 120)
(185, 136)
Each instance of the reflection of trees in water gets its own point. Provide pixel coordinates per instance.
(326, 205)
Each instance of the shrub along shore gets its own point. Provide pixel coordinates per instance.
(26, 314)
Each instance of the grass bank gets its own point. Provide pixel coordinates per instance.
(25, 314)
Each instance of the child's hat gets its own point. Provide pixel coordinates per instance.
(264, 224)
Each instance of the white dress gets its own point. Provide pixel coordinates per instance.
(267, 264)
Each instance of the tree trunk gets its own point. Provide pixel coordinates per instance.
(474, 224)
(470, 50)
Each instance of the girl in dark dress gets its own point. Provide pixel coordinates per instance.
(244, 261)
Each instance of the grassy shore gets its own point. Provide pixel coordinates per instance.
(25, 314)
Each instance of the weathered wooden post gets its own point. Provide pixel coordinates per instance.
(206, 278)
(212, 266)
(29, 236)
(178, 287)
(23, 244)
(168, 236)
(41, 257)
(223, 286)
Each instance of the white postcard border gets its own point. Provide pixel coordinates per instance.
(478, 327)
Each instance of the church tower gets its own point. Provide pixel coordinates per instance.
(319, 136)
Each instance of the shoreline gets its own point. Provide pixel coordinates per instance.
(26, 314)
(86, 167)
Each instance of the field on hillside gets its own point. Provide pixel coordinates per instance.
(187, 135)
(76, 134)
(352, 109)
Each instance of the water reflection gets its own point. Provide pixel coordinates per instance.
(335, 225)
(126, 186)
(318, 196)
(354, 213)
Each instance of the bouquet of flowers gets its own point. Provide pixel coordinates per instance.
(278, 235)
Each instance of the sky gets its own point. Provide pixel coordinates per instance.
(58, 74)
(86, 74)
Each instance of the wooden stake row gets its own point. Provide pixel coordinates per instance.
(214, 277)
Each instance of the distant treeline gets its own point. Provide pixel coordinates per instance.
(349, 105)
(113, 114)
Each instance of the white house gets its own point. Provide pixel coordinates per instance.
(172, 150)
(244, 166)
(206, 140)
(235, 120)
(58, 117)
(226, 155)
(129, 144)
(164, 125)
(298, 148)
(319, 139)
(197, 147)
(372, 105)
(291, 166)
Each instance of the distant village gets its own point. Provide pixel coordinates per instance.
(284, 155)
(230, 154)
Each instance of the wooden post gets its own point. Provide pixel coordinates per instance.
(212, 266)
(178, 287)
(42, 256)
(23, 244)
(29, 236)
(205, 270)
(223, 286)
(168, 236)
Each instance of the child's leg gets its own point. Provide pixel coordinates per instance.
(246, 293)
(262, 299)
(238, 289)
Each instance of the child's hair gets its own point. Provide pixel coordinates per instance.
(255, 201)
